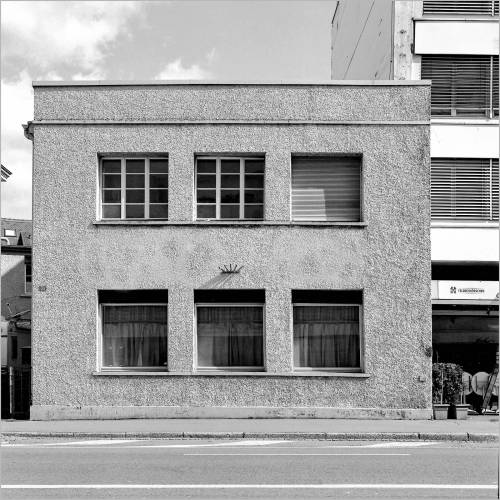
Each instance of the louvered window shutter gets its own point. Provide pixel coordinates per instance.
(462, 84)
(326, 189)
(462, 7)
(464, 188)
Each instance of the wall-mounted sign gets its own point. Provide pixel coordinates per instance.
(466, 290)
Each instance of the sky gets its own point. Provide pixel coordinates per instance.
(141, 40)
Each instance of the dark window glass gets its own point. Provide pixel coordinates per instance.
(135, 181)
(230, 166)
(111, 211)
(158, 196)
(254, 166)
(205, 196)
(206, 211)
(254, 196)
(230, 196)
(111, 166)
(112, 181)
(206, 166)
(254, 212)
(206, 181)
(134, 166)
(229, 181)
(134, 211)
(111, 196)
(230, 211)
(158, 166)
(158, 211)
(254, 181)
(158, 181)
(135, 196)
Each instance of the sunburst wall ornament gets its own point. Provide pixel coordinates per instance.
(231, 269)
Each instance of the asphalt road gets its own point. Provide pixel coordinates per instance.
(137, 469)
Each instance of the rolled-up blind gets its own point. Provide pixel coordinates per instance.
(464, 188)
(462, 84)
(462, 7)
(326, 188)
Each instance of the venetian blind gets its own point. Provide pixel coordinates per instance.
(462, 7)
(462, 84)
(464, 188)
(326, 188)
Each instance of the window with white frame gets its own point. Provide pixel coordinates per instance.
(326, 330)
(27, 274)
(230, 329)
(464, 188)
(462, 85)
(229, 188)
(326, 188)
(461, 7)
(134, 329)
(134, 188)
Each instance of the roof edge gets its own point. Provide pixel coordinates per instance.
(291, 83)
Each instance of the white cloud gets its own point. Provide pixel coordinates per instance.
(176, 71)
(51, 33)
(44, 40)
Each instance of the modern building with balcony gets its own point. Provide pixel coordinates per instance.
(455, 45)
(209, 249)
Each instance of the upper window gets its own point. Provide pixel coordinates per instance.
(134, 329)
(464, 188)
(462, 85)
(326, 188)
(27, 274)
(462, 7)
(230, 329)
(134, 188)
(229, 188)
(326, 329)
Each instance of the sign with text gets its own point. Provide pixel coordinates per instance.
(467, 290)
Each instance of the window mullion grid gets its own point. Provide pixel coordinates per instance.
(217, 188)
(146, 188)
(242, 188)
(123, 188)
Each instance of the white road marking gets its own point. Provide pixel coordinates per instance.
(296, 454)
(381, 486)
(400, 444)
(102, 442)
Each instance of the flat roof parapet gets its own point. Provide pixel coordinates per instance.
(206, 102)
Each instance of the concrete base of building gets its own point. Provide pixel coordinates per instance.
(61, 412)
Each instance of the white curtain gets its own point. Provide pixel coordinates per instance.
(326, 336)
(135, 336)
(230, 336)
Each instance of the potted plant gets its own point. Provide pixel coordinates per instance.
(447, 393)
(439, 407)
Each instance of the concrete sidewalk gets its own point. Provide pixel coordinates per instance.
(475, 428)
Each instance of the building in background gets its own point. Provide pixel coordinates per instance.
(16, 317)
(231, 250)
(454, 44)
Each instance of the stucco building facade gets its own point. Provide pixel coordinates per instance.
(231, 250)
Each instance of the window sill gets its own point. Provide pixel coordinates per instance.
(462, 224)
(242, 223)
(230, 374)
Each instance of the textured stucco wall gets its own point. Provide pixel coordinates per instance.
(73, 257)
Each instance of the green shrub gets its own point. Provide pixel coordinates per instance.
(446, 383)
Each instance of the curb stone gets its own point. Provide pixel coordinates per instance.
(329, 436)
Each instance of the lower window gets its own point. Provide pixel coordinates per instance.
(134, 335)
(230, 336)
(326, 336)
